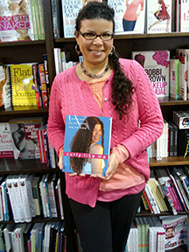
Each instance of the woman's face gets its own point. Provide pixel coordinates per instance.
(95, 51)
(97, 133)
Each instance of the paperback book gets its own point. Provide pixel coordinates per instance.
(15, 21)
(6, 149)
(156, 65)
(129, 16)
(87, 144)
(5, 93)
(24, 137)
(70, 9)
(22, 85)
(184, 16)
(159, 16)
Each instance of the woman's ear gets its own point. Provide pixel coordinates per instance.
(76, 34)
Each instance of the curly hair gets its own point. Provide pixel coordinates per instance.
(82, 140)
(122, 87)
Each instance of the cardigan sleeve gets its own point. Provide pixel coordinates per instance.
(55, 126)
(149, 111)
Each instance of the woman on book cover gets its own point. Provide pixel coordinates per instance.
(104, 207)
(86, 141)
(161, 14)
(133, 10)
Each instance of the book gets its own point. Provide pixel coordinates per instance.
(37, 86)
(87, 144)
(15, 21)
(70, 10)
(183, 142)
(184, 16)
(156, 65)
(57, 18)
(22, 85)
(43, 85)
(24, 137)
(175, 138)
(159, 16)
(5, 91)
(174, 79)
(6, 148)
(7, 229)
(129, 16)
(36, 195)
(171, 140)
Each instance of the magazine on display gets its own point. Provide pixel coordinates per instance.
(87, 144)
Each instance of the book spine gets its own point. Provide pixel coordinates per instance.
(37, 87)
(25, 200)
(30, 19)
(32, 2)
(41, 19)
(46, 69)
(40, 146)
(43, 85)
(60, 199)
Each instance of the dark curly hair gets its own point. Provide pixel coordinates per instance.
(82, 140)
(122, 87)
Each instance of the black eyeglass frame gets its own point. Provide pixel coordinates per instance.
(96, 35)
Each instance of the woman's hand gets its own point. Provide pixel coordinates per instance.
(112, 166)
(60, 156)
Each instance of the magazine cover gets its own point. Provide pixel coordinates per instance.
(176, 231)
(156, 65)
(70, 9)
(24, 137)
(87, 144)
(184, 16)
(15, 21)
(6, 149)
(129, 15)
(159, 15)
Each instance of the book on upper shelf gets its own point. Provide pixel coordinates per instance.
(87, 144)
(156, 65)
(184, 16)
(174, 79)
(70, 10)
(129, 16)
(15, 21)
(22, 85)
(6, 148)
(56, 9)
(159, 16)
(24, 137)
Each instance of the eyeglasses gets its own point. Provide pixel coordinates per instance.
(91, 35)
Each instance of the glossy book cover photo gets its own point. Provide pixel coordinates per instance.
(87, 144)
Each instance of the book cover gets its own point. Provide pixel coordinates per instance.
(184, 16)
(6, 147)
(22, 85)
(70, 10)
(156, 65)
(129, 16)
(159, 16)
(87, 144)
(5, 90)
(43, 85)
(24, 137)
(15, 21)
(183, 142)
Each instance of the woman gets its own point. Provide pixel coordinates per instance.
(104, 85)
(132, 13)
(86, 141)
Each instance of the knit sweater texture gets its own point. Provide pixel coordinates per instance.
(72, 96)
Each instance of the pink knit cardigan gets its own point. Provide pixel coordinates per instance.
(72, 96)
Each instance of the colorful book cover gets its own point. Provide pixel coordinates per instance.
(24, 137)
(159, 16)
(6, 148)
(70, 10)
(22, 85)
(156, 65)
(174, 79)
(129, 16)
(184, 16)
(87, 144)
(15, 21)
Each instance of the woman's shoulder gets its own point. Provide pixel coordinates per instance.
(96, 148)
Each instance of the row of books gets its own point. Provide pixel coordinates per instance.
(24, 197)
(169, 75)
(24, 84)
(21, 20)
(167, 190)
(150, 17)
(157, 234)
(26, 237)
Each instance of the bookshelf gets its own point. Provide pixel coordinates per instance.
(32, 51)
